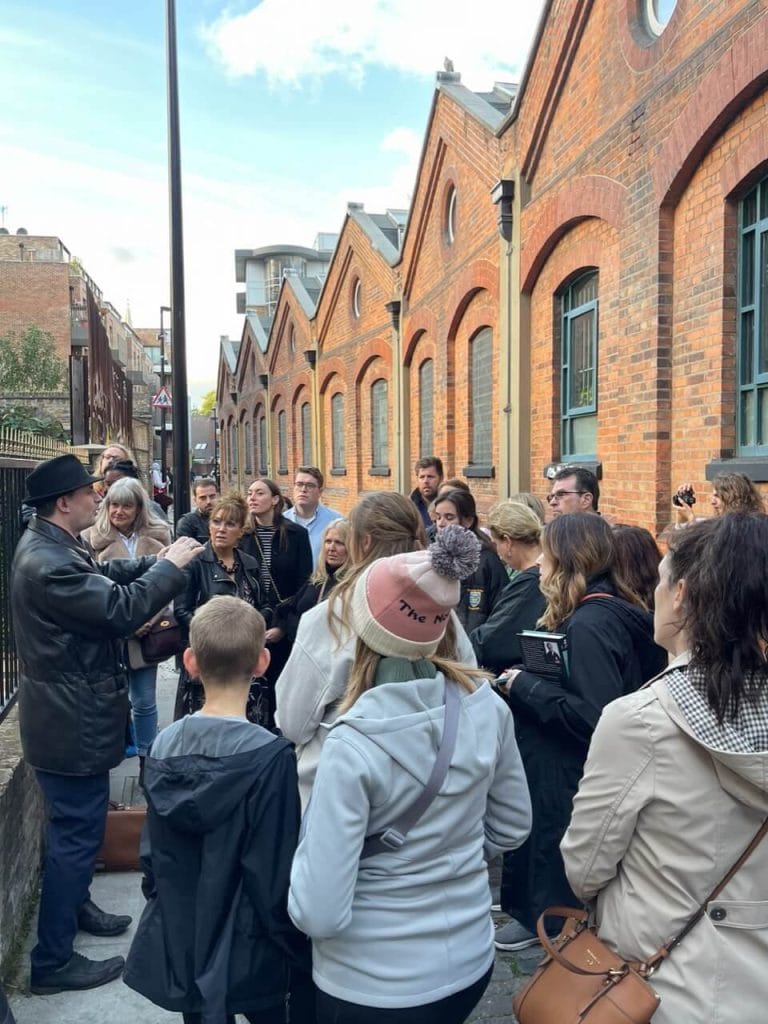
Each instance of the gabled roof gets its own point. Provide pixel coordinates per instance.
(383, 230)
(300, 290)
(490, 108)
(259, 328)
(230, 350)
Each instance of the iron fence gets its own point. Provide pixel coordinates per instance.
(19, 454)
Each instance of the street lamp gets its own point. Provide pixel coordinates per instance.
(161, 339)
(215, 466)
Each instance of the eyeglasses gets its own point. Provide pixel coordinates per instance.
(305, 487)
(557, 495)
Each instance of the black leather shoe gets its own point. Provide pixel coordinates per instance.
(78, 973)
(98, 922)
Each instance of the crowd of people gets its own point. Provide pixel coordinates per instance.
(362, 724)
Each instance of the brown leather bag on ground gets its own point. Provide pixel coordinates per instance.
(120, 850)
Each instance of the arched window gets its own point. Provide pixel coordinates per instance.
(260, 426)
(356, 299)
(578, 394)
(480, 395)
(450, 215)
(338, 459)
(379, 425)
(306, 434)
(248, 447)
(426, 407)
(282, 443)
(234, 447)
(658, 13)
(753, 322)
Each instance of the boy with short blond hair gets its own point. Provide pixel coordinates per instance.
(222, 825)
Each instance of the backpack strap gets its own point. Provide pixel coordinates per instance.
(393, 837)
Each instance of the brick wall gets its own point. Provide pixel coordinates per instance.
(36, 294)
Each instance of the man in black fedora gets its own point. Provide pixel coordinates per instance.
(70, 615)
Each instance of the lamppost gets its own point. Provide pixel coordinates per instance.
(161, 339)
(215, 466)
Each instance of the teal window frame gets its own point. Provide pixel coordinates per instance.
(752, 323)
(481, 398)
(426, 407)
(380, 424)
(338, 448)
(570, 313)
(282, 442)
(306, 434)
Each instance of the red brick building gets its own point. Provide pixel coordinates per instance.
(583, 276)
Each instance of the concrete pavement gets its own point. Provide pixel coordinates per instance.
(120, 892)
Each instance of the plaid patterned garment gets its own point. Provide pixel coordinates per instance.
(743, 733)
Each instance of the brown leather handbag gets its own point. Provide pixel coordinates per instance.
(582, 981)
(120, 849)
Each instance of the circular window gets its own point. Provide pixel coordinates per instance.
(450, 216)
(658, 13)
(356, 299)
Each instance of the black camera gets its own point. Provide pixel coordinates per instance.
(684, 496)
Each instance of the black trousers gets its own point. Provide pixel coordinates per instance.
(452, 1010)
(77, 815)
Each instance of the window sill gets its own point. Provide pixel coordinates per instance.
(338, 472)
(479, 472)
(753, 466)
(282, 472)
(592, 464)
(379, 471)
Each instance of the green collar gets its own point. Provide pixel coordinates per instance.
(402, 670)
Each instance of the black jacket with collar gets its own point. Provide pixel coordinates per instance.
(194, 524)
(291, 565)
(69, 616)
(206, 579)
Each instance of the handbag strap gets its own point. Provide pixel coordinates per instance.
(393, 837)
(665, 950)
(266, 564)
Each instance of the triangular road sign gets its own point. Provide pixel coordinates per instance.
(162, 399)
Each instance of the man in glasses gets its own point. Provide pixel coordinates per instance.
(573, 489)
(307, 509)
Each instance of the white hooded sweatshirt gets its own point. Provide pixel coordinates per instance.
(409, 927)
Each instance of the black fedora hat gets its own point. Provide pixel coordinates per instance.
(58, 476)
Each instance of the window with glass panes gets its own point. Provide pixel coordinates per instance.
(282, 443)
(578, 394)
(379, 424)
(337, 432)
(234, 447)
(480, 395)
(306, 435)
(426, 406)
(753, 322)
(262, 445)
(248, 447)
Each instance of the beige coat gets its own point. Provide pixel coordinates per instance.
(150, 541)
(658, 820)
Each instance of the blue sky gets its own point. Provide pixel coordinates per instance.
(289, 109)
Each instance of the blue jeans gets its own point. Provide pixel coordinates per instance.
(77, 815)
(142, 689)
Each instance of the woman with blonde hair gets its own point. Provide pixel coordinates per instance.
(315, 677)
(126, 527)
(330, 564)
(516, 533)
(402, 932)
(610, 652)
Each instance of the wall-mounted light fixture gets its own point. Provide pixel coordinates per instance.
(503, 196)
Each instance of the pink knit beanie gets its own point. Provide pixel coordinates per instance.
(400, 605)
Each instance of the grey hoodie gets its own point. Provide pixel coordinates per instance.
(411, 927)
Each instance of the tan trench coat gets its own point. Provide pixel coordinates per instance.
(657, 822)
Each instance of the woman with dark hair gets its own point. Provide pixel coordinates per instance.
(221, 569)
(315, 678)
(284, 554)
(609, 637)
(648, 842)
(637, 561)
(481, 590)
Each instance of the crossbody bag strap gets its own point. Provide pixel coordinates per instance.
(665, 950)
(393, 837)
(266, 565)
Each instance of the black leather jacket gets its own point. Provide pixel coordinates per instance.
(70, 615)
(206, 579)
(196, 525)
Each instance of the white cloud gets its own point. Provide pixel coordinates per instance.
(292, 42)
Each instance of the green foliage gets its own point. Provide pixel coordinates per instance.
(207, 403)
(18, 417)
(30, 363)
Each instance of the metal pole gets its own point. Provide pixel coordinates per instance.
(163, 454)
(179, 354)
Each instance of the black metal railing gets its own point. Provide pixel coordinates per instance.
(13, 478)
